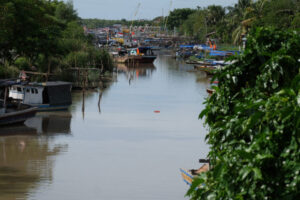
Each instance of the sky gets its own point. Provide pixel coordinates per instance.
(149, 9)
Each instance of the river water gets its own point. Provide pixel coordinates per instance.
(127, 146)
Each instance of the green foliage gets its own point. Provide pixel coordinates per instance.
(7, 71)
(195, 25)
(44, 34)
(65, 12)
(230, 24)
(280, 13)
(254, 122)
(296, 21)
(80, 52)
(22, 63)
(97, 23)
(178, 16)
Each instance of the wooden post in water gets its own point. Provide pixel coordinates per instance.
(83, 106)
(5, 97)
(78, 77)
(83, 91)
(100, 85)
(100, 96)
(86, 78)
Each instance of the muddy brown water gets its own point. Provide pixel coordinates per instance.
(127, 146)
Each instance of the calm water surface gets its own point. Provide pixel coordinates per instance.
(117, 150)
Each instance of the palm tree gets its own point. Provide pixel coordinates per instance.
(246, 12)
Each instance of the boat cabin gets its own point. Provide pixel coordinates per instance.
(144, 51)
(51, 93)
(11, 112)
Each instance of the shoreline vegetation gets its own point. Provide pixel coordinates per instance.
(46, 37)
(253, 115)
(254, 122)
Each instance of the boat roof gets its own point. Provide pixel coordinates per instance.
(142, 48)
(50, 83)
(7, 82)
(10, 82)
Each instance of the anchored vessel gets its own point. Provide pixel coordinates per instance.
(137, 55)
(48, 96)
(12, 113)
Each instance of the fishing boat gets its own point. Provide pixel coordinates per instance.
(141, 55)
(12, 113)
(47, 96)
(209, 70)
(188, 175)
(211, 90)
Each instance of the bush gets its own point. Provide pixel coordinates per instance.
(9, 72)
(22, 63)
(254, 123)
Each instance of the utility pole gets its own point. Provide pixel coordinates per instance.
(171, 2)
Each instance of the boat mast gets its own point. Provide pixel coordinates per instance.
(171, 2)
(135, 13)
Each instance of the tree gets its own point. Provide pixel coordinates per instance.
(43, 34)
(280, 13)
(28, 29)
(7, 19)
(65, 11)
(254, 122)
(178, 16)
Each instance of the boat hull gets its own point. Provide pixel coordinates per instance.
(210, 91)
(140, 59)
(186, 176)
(47, 107)
(17, 116)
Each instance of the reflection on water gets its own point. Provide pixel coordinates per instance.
(51, 123)
(133, 72)
(27, 159)
(111, 144)
(26, 163)
(44, 123)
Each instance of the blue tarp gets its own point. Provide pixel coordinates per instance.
(186, 46)
(223, 53)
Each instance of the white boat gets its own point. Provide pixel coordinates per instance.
(48, 96)
(12, 113)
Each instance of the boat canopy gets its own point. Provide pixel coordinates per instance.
(56, 92)
(8, 82)
(144, 48)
